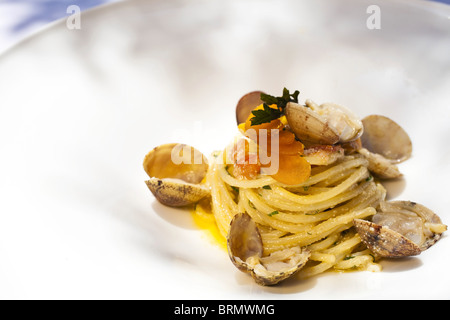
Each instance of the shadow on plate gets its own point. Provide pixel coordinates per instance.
(180, 217)
(297, 285)
(288, 286)
(401, 264)
(394, 187)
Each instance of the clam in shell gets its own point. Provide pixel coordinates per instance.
(176, 172)
(400, 229)
(245, 249)
(380, 166)
(323, 155)
(246, 104)
(387, 138)
(327, 123)
(384, 144)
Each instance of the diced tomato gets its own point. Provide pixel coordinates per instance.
(295, 148)
(293, 169)
(245, 163)
(286, 137)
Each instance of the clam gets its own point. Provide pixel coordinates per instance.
(384, 144)
(176, 172)
(246, 104)
(385, 137)
(324, 155)
(327, 123)
(245, 249)
(380, 166)
(400, 229)
(352, 147)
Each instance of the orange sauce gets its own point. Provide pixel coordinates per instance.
(204, 220)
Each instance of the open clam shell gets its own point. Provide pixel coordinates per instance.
(414, 220)
(243, 241)
(176, 172)
(400, 229)
(176, 193)
(310, 126)
(384, 241)
(245, 249)
(384, 144)
(246, 104)
(327, 123)
(385, 137)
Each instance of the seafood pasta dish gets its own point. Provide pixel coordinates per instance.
(299, 189)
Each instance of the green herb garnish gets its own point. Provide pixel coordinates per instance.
(273, 213)
(267, 187)
(282, 101)
(265, 116)
(268, 114)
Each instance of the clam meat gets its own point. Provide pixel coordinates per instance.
(324, 155)
(400, 229)
(380, 166)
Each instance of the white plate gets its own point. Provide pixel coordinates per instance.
(79, 109)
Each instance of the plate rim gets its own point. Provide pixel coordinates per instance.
(431, 6)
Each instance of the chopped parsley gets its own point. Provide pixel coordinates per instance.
(267, 114)
(273, 213)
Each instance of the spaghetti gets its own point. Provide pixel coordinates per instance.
(316, 214)
(284, 206)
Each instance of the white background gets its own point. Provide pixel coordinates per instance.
(80, 109)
